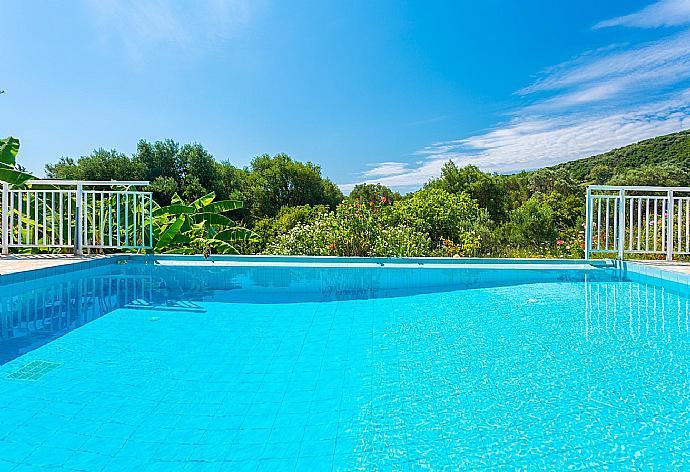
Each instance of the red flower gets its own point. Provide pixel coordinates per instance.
(371, 204)
(559, 242)
(582, 245)
(383, 199)
(331, 246)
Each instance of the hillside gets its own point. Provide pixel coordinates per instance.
(669, 150)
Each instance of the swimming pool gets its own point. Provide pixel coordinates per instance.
(296, 364)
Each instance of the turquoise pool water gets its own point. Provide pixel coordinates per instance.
(168, 367)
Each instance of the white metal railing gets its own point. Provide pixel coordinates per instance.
(78, 214)
(637, 220)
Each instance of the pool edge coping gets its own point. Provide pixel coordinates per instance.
(31, 274)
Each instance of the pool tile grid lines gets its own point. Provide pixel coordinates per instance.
(286, 379)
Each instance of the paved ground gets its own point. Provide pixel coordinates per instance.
(675, 266)
(21, 262)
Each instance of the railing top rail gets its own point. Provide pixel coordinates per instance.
(638, 188)
(89, 183)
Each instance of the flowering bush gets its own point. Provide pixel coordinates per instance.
(401, 241)
(375, 228)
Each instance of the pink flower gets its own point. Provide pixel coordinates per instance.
(559, 242)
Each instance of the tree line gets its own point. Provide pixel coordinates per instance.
(291, 208)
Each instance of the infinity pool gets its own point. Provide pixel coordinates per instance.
(277, 366)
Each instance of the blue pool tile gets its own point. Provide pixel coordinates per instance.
(314, 464)
(277, 465)
(556, 374)
(82, 460)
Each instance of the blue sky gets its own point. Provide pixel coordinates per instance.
(379, 91)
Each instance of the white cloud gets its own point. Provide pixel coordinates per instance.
(386, 169)
(142, 26)
(664, 59)
(661, 13)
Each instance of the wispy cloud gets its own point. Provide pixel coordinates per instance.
(142, 26)
(386, 169)
(603, 99)
(661, 13)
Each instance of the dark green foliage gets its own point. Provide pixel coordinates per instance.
(660, 151)
(269, 229)
(266, 186)
(99, 165)
(366, 193)
(670, 175)
(274, 182)
(532, 226)
(198, 227)
(487, 189)
(553, 180)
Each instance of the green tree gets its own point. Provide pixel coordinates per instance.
(274, 182)
(160, 159)
(99, 165)
(366, 193)
(440, 214)
(549, 179)
(662, 175)
(532, 226)
(198, 167)
(600, 174)
(163, 189)
(487, 189)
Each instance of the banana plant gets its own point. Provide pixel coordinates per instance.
(9, 148)
(198, 227)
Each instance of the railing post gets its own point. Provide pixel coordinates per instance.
(588, 224)
(621, 224)
(5, 218)
(78, 214)
(669, 227)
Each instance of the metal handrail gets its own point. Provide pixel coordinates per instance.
(89, 183)
(643, 188)
(62, 216)
(617, 222)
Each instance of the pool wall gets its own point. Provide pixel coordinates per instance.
(476, 267)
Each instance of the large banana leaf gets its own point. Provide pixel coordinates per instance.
(9, 147)
(222, 206)
(14, 177)
(170, 233)
(222, 247)
(201, 202)
(213, 219)
(176, 209)
(236, 234)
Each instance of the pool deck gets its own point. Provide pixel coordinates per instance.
(15, 263)
(673, 266)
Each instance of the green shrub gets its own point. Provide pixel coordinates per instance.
(401, 241)
(444, 216)
(531, 226)
(314, 239)
(354, 229)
